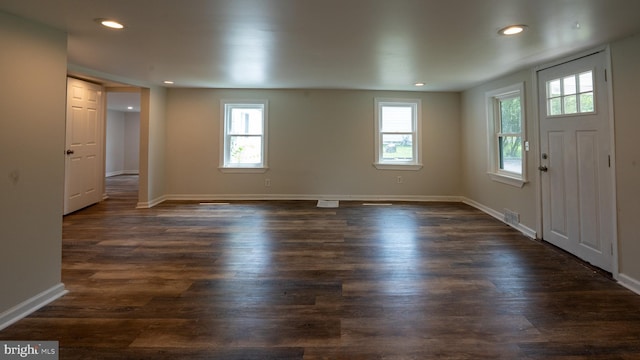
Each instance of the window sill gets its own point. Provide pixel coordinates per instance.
(245, 170)
(410, 167)
(509, 180)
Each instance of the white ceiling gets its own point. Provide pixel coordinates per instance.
(338, 44)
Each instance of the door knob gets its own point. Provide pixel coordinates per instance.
(69, 152)
(543, 168)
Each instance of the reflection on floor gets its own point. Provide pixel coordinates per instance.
(289, 280)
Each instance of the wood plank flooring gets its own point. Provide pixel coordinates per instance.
(288, 280)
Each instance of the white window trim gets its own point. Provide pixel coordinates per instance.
(260, 168)
(494, 171)
(417, 148)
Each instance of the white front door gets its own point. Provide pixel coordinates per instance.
(84, 145)
(575, 145)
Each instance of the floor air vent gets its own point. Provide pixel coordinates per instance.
(328, 203)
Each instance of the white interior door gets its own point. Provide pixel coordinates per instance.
(575, 163)
(84, 145)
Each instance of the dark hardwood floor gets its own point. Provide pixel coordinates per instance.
(288, 280)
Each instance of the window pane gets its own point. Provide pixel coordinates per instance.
(570, 105)
(569, 85)
(397, 147)
(586, 82)
(246, 121)
(553, 88)
(510, 114)
(510, 149)
(563, 96)
(245, 149)
(397, 119)
(555, 107)
(586, 102)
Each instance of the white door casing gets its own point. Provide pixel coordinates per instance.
(84, 135)
(577, 196)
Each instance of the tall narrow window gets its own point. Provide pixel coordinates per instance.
(397, 134)
(505, 108)
(244, 135)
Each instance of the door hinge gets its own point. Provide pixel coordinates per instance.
(605, 75)
(609, 160)
(611, 248)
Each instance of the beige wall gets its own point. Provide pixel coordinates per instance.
(153, 125)
(321, 143)
(477, 185)
(122, 143)
(115, 149)
(625, 56)
(131, 142)
(32, 131)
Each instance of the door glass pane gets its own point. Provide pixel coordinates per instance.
(586, 81)
(511, 153)
(570, 104)
(569, 85)
(553, 88)
(563, 94)
(245, 149)
(398, 147)
(586, 102)
(554, 107)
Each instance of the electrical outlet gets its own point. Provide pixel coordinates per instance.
(399, 179)
(267, 182)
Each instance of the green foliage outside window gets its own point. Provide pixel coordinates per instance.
(510, 142)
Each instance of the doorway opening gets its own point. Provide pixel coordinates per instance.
(122, 143)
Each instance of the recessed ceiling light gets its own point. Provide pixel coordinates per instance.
(512, 30)
(129, 107)
(112, 24)
(168, 82)
(419, 84)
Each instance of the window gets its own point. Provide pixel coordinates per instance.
(570, 95)
(397, 135)
(244, 135)
(506, 123)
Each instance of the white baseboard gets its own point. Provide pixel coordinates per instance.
(114, 173)
(409, 198)
(257, 197)
(500, 216)
(152, 203)
(29, 306)
(122, 172)
(629, 282)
